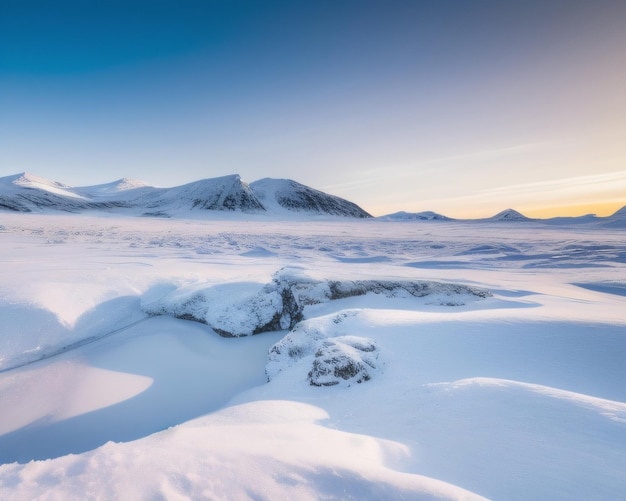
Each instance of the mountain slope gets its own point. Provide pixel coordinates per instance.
(617, 219)
(122, 186)
(280, 195)
(228, 193)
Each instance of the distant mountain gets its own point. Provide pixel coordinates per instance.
(279, 195)
(415, 216)
(508, 215)
(621, 213)
(29, 193)
(617, 219)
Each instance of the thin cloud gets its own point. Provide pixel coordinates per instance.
(588, 185)
(489, 154)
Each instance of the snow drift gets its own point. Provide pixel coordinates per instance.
(396, 382)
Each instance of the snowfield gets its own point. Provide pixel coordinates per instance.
(273, 357)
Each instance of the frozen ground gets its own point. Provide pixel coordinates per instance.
(415, 360)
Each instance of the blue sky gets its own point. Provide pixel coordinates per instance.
(462, 107)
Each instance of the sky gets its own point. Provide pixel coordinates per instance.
(463, 107)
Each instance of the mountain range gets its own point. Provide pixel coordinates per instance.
(27, 192)
(30, 193)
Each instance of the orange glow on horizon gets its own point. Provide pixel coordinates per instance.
(599, 209)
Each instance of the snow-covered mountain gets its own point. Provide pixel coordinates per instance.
(223, 193)
(617, 219)
(508, 215)
(279, 195)
(415, 216)
(29, 193)
(621, 213)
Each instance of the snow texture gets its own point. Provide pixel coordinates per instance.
(412, 360)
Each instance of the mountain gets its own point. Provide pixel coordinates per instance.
(415, 216)
(123, 185)
(508, 215)
(29, 193)
(619, 214)
(617, 219)
(228, 193)
(280, 195)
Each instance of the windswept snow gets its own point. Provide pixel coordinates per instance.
(421, 360)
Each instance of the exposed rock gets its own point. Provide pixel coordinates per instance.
(332, 354)
(233, 311)
(343, 359)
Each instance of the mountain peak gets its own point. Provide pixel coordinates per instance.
(121, 185)
(31, 180)
(416, 216)
(509, 215)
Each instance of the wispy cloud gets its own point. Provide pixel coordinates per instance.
(489, 154)
(409, 169)
(369, 178)
(579, 185)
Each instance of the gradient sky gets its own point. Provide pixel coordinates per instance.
(463, 107)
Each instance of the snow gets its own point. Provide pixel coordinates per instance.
(502, 379)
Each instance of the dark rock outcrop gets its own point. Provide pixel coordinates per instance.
(344, 359)
(280, 304)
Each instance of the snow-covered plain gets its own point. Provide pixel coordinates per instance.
(471, 359)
